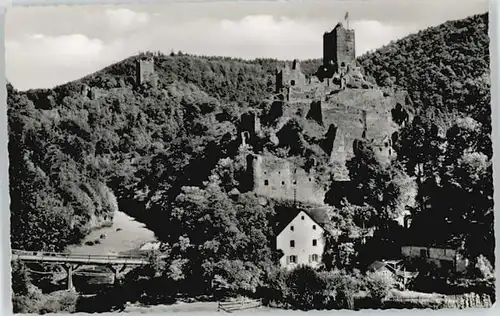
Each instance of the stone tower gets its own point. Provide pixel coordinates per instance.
(339, 48)
(145, 71)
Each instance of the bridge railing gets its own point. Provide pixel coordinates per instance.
(45, 254)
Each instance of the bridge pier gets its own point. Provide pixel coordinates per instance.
(117, 270)
(69, 271)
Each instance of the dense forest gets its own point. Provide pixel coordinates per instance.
(169, 155)
(446, 70)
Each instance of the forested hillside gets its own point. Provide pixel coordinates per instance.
(71, 156)
(446, 70)
(74, 160)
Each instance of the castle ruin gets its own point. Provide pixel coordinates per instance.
(280, 179)
(339, 48)
(343, 105)
(145, 71)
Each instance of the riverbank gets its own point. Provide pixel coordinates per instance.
(123, 236)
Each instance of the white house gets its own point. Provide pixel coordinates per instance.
(300, 238)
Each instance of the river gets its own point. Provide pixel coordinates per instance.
(124, 235)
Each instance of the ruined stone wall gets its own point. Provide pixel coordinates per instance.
(295, 86)
(301, 95)
(360, 114)
(354, 114)
(296, 77)
(279, 83)
(250, 123)
(145, 71)
(279, 179)
(383, 150)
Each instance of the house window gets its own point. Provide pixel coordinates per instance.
(266, 182)
(314, 227)
(314, 258)
(292, 243)
(302, 217)
(315, 242)
(292, 259)
(291, 228)
(282, 182)
(423, 253)
(292, 82)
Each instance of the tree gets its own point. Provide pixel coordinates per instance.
(305, 287)
(379, 285)
(20, 278)
(386, 188)
(419, 147)
(467, 177)
(461, 202)
(224, 234)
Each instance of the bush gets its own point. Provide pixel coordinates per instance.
(20, 278)
(483, 268)
(275, 291)
(38, 303)
(379, 284)
(306, 288)
(340, 289)
(60, 301)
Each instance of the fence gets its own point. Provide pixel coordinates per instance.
(469, 300)
(239, 305)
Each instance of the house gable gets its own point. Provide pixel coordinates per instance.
(301, 241)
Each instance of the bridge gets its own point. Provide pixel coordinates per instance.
(71, 262)
(87, 259)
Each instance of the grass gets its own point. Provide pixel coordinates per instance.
(185, 307)
(413, 294)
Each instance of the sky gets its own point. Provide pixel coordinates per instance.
(50, 45)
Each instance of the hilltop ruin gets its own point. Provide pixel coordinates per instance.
(342, 103)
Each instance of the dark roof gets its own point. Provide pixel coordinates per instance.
(390, 265)
(319, 215)
(375, 266)
(284, 215)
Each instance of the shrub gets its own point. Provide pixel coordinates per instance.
(340, 289)
(275, 290)
(29, 302)
(306, 288)
(38, 303)
(310, 289)
(379, 285)
(20, 278)
(60, 301)
(483, 268)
